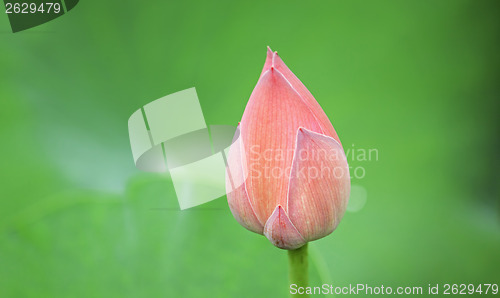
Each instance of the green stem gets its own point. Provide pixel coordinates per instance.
(298, 273)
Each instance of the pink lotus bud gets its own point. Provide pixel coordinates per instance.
(296, 178)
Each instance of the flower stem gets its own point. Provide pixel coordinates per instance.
(298, 272)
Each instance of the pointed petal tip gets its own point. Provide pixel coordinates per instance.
(269, 61)
(281, 232)
(304, 132)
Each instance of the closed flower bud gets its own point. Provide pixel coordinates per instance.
(295, 175)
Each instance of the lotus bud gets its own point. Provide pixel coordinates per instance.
(295, 175)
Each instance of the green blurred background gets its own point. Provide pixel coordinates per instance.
(416, 80)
